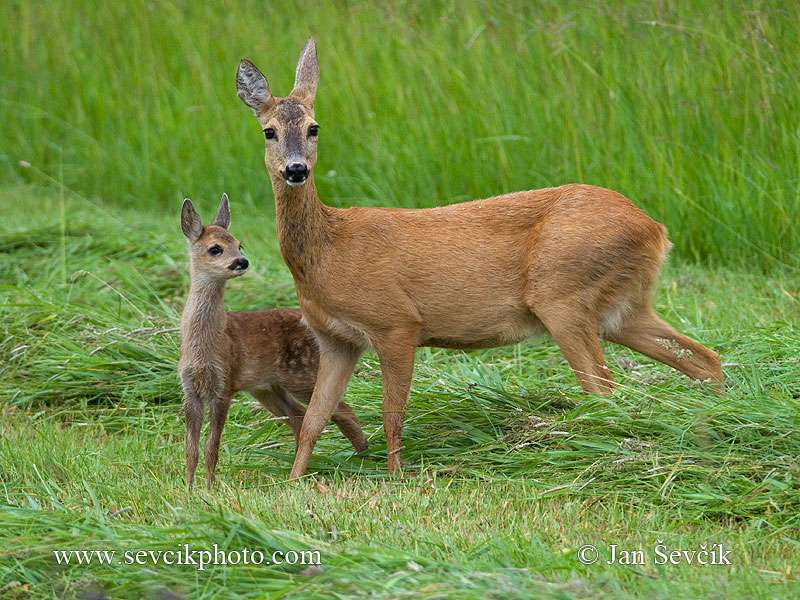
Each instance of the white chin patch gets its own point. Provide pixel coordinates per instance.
(295, 183)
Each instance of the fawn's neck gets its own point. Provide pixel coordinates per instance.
(304, 225)
(204, 319)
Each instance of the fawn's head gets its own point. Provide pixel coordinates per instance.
(215, 254)
(290, 130)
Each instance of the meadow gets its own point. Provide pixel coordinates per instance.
(113, 116)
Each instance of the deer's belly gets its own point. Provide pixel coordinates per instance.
(488, 330)
(470, 320)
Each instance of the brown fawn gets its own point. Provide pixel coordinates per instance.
(576, 261)
(269, 353)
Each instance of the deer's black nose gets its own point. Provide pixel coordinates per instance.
(296, 172)
(240, 264)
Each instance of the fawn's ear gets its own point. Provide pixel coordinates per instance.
(252, 86)
(306, 77)
(223, 218)
(190, 221)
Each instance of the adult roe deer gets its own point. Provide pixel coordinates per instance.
(269, 353)
(577, 261)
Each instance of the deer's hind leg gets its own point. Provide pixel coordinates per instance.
(646, 332)
(579, 341)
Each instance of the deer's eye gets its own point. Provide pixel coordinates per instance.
(269, 133)
(313, 131)
(215, 250)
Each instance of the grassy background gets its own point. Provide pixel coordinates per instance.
(112, 116)
(689, 108)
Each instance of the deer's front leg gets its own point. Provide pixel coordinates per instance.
(396, 354)
(336, 364)
(217, 414)
(193, 413)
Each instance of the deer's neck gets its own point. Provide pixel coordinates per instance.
(204, 319)
(304, 225)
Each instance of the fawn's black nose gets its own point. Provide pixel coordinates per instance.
(296, 172)
(240, 264)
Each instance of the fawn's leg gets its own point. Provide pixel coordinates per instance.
(579, 342)
(276, 402)
(283, 404)
(647, 333)
(336, 363)
(396, 353)
(217, 414)
(348, 424)
(193, 413)
(343, 416)
(294, 410)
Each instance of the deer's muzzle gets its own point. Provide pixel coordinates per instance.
(239, 265)
(295, 173)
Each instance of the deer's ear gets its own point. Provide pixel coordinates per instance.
(223, 218)
(252, 86)
(190, 221)
(306, 77)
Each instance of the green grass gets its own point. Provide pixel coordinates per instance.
(510, 469)
(687, 107)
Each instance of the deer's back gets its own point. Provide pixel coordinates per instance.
(507, 224)
(475, 247)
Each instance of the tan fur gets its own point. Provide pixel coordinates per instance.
(269, 353)
(577, 261)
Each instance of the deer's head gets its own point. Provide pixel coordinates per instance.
(215, 254)
(290, 131)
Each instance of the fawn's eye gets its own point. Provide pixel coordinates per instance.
(215, 250)
(269, 133)
(313, 131)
